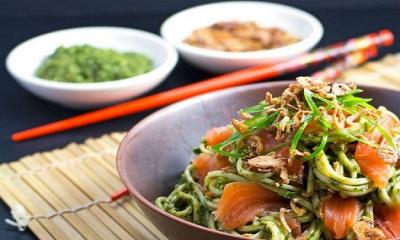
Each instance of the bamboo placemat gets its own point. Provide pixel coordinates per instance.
(69, 178)
(384, 72)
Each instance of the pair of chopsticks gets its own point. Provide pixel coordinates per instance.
(382, 38)
(351, 60)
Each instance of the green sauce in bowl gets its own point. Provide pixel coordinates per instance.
(85, 64)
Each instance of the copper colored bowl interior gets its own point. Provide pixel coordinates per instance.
(156, 151)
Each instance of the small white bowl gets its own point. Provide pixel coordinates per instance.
(180, 25)
(24, 59)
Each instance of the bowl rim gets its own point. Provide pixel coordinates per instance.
(175, 107)
(306, 43)
(163, 69)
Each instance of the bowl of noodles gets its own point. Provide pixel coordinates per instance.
(280, 160)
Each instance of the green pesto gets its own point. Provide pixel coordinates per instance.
(86, 64)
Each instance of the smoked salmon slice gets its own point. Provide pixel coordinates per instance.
(205, 163)
(371, 165)
(387, 122)
(295, 167)
(388, 219)
(242, 201)
(294, 225)
(217, 135)
(339, 214)
(312, 127)
(374, 167)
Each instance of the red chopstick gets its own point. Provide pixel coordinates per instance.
(382, 38)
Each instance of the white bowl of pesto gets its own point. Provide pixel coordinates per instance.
(24, 61)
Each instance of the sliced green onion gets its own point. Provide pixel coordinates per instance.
(351, 136)
(328, 103)
(255, 109)
(297, 136)
(387, 136)
(353, 92)
(350, 100)
(325, 122)
(314, 109)
(260, 121)
(321, 146)
(310, 102)
(218, 148)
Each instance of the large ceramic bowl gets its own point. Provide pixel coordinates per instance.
(156, 151)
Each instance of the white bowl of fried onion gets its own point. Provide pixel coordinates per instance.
(270, 15)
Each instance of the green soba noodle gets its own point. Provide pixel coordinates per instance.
(327, 152)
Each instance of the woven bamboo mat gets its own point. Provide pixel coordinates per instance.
(69, 178)
(384, 72)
